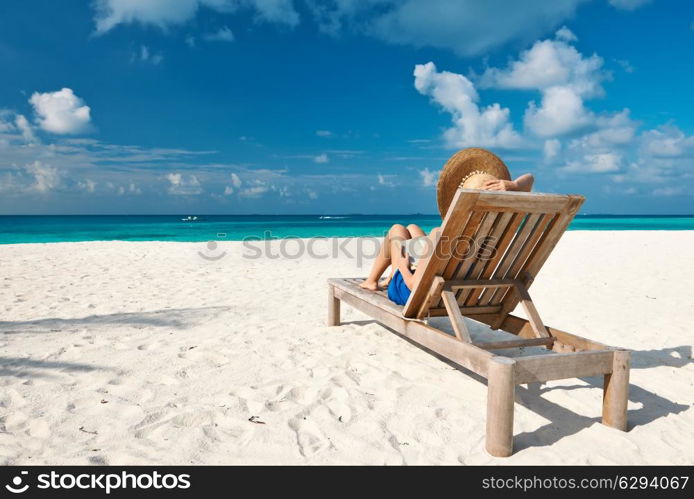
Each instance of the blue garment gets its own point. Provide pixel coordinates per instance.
(398, 290)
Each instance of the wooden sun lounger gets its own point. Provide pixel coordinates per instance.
(491, 247)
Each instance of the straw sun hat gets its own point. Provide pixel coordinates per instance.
(469, 168)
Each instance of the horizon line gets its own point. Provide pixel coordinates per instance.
(306, 214)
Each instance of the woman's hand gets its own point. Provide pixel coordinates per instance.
(523, 183)
(500, 185)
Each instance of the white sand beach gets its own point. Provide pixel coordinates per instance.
(146, 353)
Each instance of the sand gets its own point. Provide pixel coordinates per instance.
(147, 353)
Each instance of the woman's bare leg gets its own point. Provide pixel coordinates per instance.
(415, 231)
(383, 260)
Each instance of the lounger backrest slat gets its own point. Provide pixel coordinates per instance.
(492, 247)
(468, 248)
(472, 259)
(459, 220)
(530, 233)
(482, 223)
(527, 269)
(462, 248)
(515, 268)
(486, 237)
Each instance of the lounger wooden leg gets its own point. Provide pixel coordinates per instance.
(501, 390)
(616, 391)
(457, 320)
(533, 315)
(333, 307)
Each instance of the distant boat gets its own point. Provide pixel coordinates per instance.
(189, 219)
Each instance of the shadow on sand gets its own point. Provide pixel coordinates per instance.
(180, 318)
(24, 367)
(562, 421)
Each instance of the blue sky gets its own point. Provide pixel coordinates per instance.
(340, 106)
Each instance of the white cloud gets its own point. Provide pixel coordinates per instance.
(473, 126)
(551, 149)
(628, 4)
(428, 177)
(46, 178)
(162, 13)
(87, 185)
(468, 27)
(223, 34)
(566, 34)
(61, 112)
(183, 185)
(165, 13)
(324, 133)
(595, 163)
(65, 162)
(235, 184)
(174, 178)
(276, 11)
(565, 79)
(550, 63)
(255, 191)
(616, 129)
(235, 180)
(146, 56)
(321, 158)
(668, 191)
(665, 156)
(600, 150)
(6, 118)
(625, 65)
(68, 165)
(385, 181)
(25, 128)
(283, 191)
(666, 141)
(560, 112)
(660, 156)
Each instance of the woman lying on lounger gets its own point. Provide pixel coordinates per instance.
(471, 169)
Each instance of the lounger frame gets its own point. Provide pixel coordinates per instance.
(507, 237)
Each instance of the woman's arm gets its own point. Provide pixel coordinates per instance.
(407, 274)
(523, 183)
(401, 262)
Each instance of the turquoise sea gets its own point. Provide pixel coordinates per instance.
(58, 228)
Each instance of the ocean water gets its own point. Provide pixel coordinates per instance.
(58, 228)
